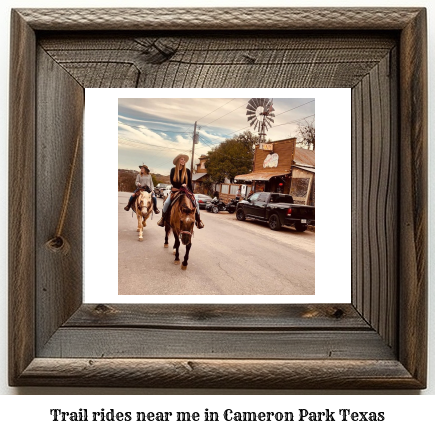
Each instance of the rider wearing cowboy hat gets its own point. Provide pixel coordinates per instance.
(180, 177)
(143, 181)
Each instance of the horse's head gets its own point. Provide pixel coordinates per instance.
(144, 202)
(187, 220)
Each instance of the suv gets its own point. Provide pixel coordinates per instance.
(158, 189)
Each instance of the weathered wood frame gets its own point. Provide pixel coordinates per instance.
(377, 341)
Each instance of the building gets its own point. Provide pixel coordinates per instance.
(283, 168)
(200, 175)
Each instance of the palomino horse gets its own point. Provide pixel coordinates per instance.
(181, 221)
(143, 208)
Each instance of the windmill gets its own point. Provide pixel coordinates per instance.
(260, 116)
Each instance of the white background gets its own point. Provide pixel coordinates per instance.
(406, 413)
(101, 126)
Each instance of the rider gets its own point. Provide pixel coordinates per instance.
(180, 177)
(143, 181)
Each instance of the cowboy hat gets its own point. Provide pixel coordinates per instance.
(186, 158)
(144, 166)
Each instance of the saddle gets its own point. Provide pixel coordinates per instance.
(176, 194)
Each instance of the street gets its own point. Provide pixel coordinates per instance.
(228, 257)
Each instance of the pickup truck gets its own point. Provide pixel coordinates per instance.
(277, 209)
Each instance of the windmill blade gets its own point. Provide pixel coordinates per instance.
(251, 105)
(251, 102)
(270, 120)
(263, 102)
(253, 122)
(250, 112)
(252, 117)
(269, 105)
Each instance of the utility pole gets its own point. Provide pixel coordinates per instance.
(195, 140)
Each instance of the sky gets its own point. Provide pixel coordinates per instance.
(154, 131)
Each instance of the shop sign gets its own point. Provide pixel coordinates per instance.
(271, 161)
(266, 146)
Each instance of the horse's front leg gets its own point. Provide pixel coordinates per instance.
(139, 226)
(176, 249)
(186, 257)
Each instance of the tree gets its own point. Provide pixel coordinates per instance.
(153, 177)
(231, 158)
(306, 136)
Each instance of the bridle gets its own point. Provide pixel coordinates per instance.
(190, 233)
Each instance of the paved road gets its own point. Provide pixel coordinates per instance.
(228, 257)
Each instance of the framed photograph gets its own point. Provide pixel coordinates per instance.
(376, 341)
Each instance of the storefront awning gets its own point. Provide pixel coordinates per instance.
(259, 176)
(197, 176)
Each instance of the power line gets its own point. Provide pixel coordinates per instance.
(215, 110)
(224, 115)
(274, 126)
(294, 108)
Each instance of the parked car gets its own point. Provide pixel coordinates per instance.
(217, 205)
(202, 200)
(277, 210)
(166, 191)
(159, 188)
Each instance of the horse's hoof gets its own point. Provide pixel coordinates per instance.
(184, 267)
(177, 262)
(140, 239)
(165, 246)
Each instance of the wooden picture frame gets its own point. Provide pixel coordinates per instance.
(378, 341)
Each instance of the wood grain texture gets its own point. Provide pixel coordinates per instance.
(374, 198)
(128, 342)
(238, 59)
(219, 18)
(413, 197)
(21, 190)
(229, 374)
(59, 277)
(377, 342)
(281, 317)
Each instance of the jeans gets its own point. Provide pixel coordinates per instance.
(168, 202)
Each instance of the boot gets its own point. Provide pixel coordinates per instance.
(130, 203)
(198, 221)
(161, 222)
(156, 211)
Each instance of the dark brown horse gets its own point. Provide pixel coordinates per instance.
(181, 221)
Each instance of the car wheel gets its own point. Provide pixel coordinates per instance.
(300, 227)
(274, 222)
(240, 215)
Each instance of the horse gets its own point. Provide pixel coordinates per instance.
(143, 206)
(181, 222)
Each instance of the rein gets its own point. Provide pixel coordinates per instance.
(190, 233)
